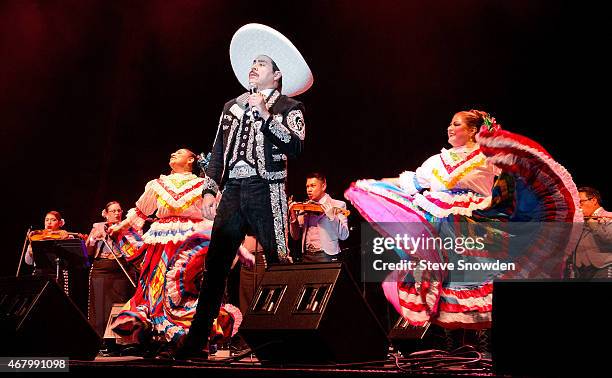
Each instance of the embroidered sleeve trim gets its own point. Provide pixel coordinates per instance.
(295, 120)
(210, 186)
(279, 130)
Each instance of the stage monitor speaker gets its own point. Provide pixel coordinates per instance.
(406, 337)
(305, 313)
(549, 328)
(111, 337)
(37, 319)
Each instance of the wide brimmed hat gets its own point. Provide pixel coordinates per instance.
(252, 40)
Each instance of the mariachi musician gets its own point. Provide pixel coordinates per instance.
(52, 231)
(70, 280)
(111, 279)
(593, 254)
(320, 223)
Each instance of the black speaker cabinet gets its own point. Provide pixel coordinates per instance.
(37, 319)
(550, 328)
(110, 337)
(312, 313)
(406, 337)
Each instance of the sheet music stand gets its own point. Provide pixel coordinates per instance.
(55, 255)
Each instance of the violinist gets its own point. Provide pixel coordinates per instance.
(321, 230)
(72, 281)
(109, 279)
(52, 230)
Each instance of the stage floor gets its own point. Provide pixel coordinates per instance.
(466, 363)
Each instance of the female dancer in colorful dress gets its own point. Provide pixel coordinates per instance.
(456, 188)
(173, 251)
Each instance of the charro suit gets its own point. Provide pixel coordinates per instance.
(107, 282)
(249, 164)
(259, 151)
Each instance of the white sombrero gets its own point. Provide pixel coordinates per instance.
(252, 40)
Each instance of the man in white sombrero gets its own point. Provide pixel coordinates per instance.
(258, 131)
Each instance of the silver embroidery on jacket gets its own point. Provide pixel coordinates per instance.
(272, 99)
(234, 156)
(225, 117)
(219, 134)
(229, 140)
(295, 120)
(280, 131)
(261, 161)
(251, 142)
(242, 171)
(237, 111)
(279, 212)
(255, 137)
(243, 99)
(210, 185)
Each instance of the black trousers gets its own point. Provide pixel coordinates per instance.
(108, 285)
(250, 203)
(591, 272)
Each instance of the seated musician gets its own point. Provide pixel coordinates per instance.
(319, 230)
(109, 280)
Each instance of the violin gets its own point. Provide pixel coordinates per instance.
(597, 217)
(45, 234)
(314, 207)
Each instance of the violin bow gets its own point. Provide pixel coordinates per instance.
(23, 251)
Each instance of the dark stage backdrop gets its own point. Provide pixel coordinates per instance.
(95, 95)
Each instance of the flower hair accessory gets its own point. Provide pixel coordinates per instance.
(489, 124)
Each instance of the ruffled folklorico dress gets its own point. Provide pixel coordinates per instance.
(173, 252)
(457, 189)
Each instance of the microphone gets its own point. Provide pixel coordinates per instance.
(253, 90)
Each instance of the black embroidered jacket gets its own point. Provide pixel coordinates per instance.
(263, 145)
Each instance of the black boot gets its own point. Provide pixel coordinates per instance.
(483, 342)
(190, 349)
(453, 339)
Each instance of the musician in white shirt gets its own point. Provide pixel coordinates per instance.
(319, 232)
(594, 250)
